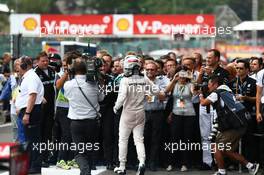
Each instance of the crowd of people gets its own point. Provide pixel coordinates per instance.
(164, 103)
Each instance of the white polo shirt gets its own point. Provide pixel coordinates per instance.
(31, 83)
(260, 83)
(79, 107)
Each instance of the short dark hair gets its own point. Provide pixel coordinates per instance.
(216, 53)
(70, 56)
(147, 57)
(246, 63)
(164, 57)
(25, 62)
(174, 54)
(235, 60)
(260, 61)
(170, 59)
(79, 67)
(42, 54)
(181, 67)
(216, 79)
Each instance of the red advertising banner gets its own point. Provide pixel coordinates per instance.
(76, 25)
(126, 25)
(173, 24)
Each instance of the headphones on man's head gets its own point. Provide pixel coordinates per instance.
(25, 62)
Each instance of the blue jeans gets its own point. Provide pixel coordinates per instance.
(20, 129)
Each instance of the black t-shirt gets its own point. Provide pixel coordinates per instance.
(48, 83)
(220, 72)
(108, 90)
(245, 88)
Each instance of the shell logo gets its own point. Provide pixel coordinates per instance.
(123, 24)
(30, 24)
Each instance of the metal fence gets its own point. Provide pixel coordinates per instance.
(32, 46)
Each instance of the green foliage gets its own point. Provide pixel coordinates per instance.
(173, 7)
(31, 6)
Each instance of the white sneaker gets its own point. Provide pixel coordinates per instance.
(254, 169)
(120, 171)
(169, 168)
(184, 168)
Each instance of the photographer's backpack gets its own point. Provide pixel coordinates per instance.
(233, 114)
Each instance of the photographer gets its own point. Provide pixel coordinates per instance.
(84, 126)
(226, 141)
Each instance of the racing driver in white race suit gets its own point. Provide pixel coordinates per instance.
(131, 94)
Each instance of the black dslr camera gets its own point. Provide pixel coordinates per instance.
(202, 87)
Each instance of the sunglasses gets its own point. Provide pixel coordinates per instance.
(150, 69)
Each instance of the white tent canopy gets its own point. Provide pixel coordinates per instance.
(4, 8)
(249, 25)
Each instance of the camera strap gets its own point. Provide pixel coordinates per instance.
(98, 115)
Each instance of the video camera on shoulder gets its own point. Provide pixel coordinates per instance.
(93, 65)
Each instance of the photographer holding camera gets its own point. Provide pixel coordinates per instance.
(227, 140)
(83, 113)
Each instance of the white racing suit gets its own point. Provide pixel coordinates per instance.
(131, 95)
